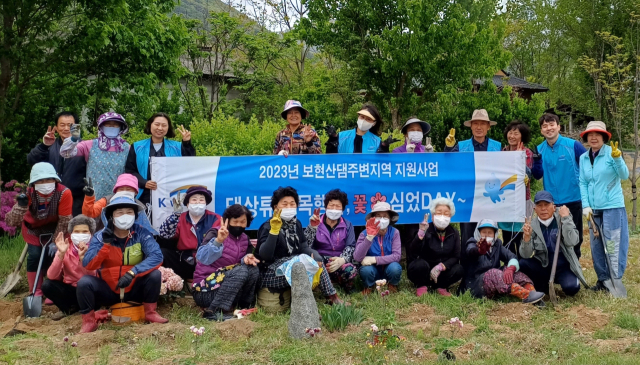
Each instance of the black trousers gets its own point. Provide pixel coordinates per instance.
(175, 260)
(62, 295)
(33, 258)
(94, 293)
(419, 273)
(576, 213)
(515, 238)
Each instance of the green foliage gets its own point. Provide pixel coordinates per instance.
(628, 321)
(444, 343)
(338, 317)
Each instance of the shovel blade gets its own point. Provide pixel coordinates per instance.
(616, 288)
(118, 319)
(9, 284)
(32, 306)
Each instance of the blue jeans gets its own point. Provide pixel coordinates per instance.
(614, 228)
(391, 273)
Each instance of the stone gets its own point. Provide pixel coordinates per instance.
(304, 310)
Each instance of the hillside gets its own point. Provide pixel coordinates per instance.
(197, 9)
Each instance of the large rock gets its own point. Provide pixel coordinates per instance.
(304, 310)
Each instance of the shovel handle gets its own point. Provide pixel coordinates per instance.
(594, 227)
(121, 294)
(23, 255)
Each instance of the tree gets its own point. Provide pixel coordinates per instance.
(86, 55)
(406, 51)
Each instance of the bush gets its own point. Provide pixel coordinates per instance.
(338, 317)
(7, 201)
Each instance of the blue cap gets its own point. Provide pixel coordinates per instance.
(487, 223)
(543, 196)
(121, 202)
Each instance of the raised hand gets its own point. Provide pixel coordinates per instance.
(390, 140)
(151, 185)
(223, 231)
(372, 227)
(249, 259)
(186, 135)
(88, 187)
(62, 244)
(177, 203)
(535, 154)
(315, 218)
(520, 147)
(75, 132)
(564, 211)
(308, 133)
(483, 246)
(22, 200)
(331, 131)
(424, 225)
(527, 230)
(276, 222)
(49, 137)
(615, 152)
(450, 141)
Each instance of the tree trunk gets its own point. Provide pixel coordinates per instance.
(636, 114)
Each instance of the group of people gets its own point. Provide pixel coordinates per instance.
(86, 211)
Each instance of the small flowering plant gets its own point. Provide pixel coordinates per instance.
(456, 325)
(312, 331)
(71, 355)
(197, 333)
(384, 338)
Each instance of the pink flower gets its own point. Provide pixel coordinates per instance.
(382, 282)
(384, 293)
(74, 344)
(65, 339)
(377, 198)
(374, 328)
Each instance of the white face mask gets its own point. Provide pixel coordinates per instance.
(287, 214)
(78, 238)
(383, 223)
(197, 210)
(334, 214)
(546, 222)
(45, 189)
(441, 221)
(124, 221)
(363, 125)
(489, 240)
(129, 194)
(415, 136)
(111, 132)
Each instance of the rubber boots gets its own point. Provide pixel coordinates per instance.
(31, 278)
(89, 323)
(151, 315)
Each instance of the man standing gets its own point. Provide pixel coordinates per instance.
(480, 125)
(71, 171)
(556, 160)
(539, 244)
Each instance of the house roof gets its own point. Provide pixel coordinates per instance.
(502, 78)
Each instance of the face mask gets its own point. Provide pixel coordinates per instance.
(78, 238)
(415, 136)
(363, 125)
(287, 214)
(383, 223)
(197, 210)
(236, 231)
(441, 221)
(546, 222)
(334, 214)
(111, 132)
(489, 240)
(124, 221)
(129, 194)
(45, 189)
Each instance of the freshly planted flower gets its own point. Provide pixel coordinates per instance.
(374, 328)
(384, 293)
(74, 344)
(66, 339)
(382, 282)
(312, 331)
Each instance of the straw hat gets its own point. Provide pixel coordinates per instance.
(479, 115)
(383, 207)
(596, 126)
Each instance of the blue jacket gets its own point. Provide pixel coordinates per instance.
(370, 142)
(600, 185)
(387, 244)
(171, 149)
(467, 146)
(560, 168)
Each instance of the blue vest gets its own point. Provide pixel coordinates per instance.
(370, 142)
(467, 146)
(387, 244)
(171, 149)
(561, 171)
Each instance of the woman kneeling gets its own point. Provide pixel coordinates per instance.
(226, 270)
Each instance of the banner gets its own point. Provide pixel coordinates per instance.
(481, 184)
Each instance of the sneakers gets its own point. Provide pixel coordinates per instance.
(443, 292)
(599, 287)
(421, 291)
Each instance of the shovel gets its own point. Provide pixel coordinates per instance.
(32, 307)
(13, 331)
(552, 278)
(14, 277)
(615, 286)
(119, 319)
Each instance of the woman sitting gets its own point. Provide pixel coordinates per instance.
(378, 249)
(333, 237)
(434, 254)
(189, 228)
(485, 277)
(125, 256)
(66, 268)
(226, 272)
(281, 239)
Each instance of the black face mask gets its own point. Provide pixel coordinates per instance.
(236, 231)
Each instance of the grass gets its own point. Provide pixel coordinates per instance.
(591, 328)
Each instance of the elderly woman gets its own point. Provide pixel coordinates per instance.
(105, 155)
(601, 170)
(414, 131)
(281, 239)
(43, 212)
(66, 268)
(127, 258)
(486, 277)
(226, 272)
(296, 138)
(365, 138)
(378, 249)
(189, 228)
(435, 251)
(518, 135)
(334, 238)
(138, 163)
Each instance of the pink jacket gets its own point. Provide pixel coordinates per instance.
(69, 270)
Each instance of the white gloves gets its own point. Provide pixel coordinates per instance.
(335, 264)
(368, 261)
(411, 147)
(587, 212)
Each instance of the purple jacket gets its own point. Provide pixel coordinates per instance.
(403, 149)
(363, 245)
(332, 244)
(210, 257)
